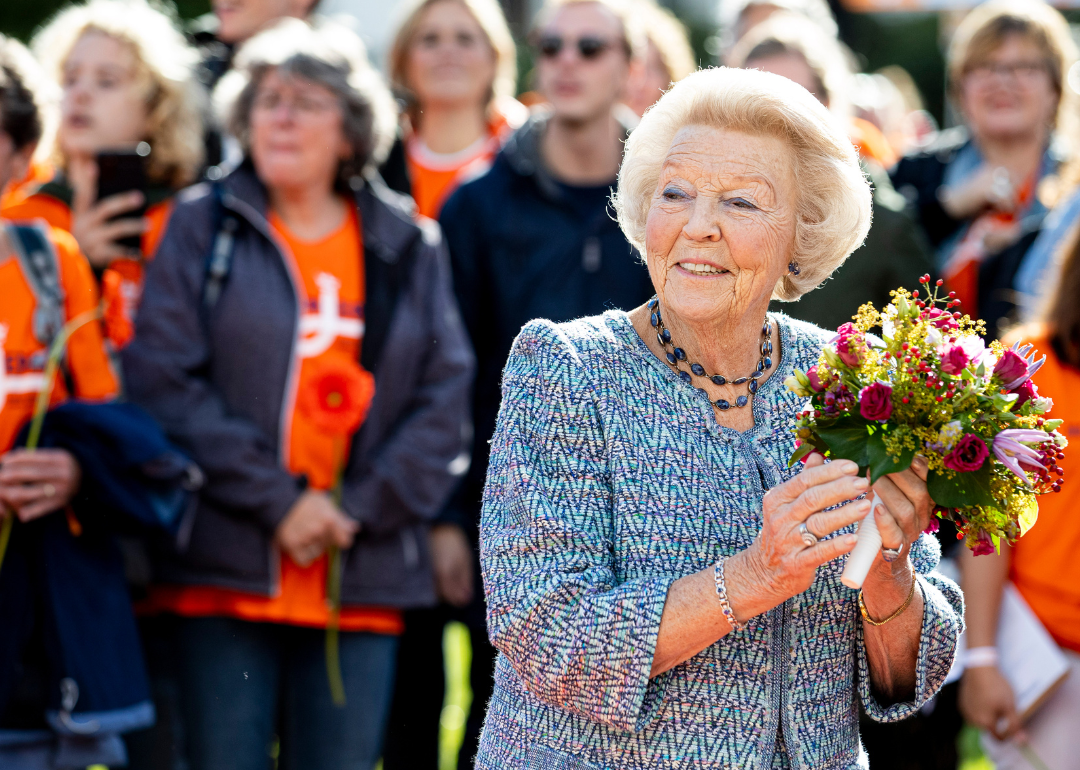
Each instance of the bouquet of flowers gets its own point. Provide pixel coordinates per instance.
(931, 386)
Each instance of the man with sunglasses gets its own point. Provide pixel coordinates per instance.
(534, 237)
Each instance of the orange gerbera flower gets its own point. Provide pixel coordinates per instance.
(337, 396)
(118, 326)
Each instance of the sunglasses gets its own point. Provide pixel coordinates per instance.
(588, 47)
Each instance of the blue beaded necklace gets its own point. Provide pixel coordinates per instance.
(676, 355)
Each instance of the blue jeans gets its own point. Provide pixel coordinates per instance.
(243, 683)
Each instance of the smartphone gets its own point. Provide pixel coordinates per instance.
(121, 171)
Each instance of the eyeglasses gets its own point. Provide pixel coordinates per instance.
(588, 47)
(1020, 70)
(302, 104)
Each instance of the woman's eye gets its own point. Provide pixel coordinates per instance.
(672, 194)
(430, 40)
(742, 203)
(465, 40)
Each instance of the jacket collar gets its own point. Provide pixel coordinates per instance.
(385, 216)
(522, 150)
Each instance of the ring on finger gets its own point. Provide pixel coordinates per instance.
(892, 554)
(48, 490)
(809, 538)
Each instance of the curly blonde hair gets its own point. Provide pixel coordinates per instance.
(833, 197)
(165, 65)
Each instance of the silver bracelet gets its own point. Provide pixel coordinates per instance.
(721, 595)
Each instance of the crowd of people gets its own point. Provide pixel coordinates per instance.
(261, 315)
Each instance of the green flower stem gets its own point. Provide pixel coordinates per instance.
(333, 591)
(41, 405)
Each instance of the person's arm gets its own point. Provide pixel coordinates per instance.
(986, 698)
(164, 372)
(415, 468)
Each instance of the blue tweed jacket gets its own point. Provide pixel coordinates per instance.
(610, 479)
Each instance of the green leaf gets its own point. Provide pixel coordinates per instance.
(881, 462)
(847, 440)
(963, 489)
(800, 452)
(1052, 424)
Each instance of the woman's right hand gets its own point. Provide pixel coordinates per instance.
(91, 225)
(779, 565)
(312, 525)
(986, 700)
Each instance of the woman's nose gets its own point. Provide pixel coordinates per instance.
(704, 223)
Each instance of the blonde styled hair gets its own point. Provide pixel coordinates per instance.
(833, 197)
(987, 27)
(332, 56)
(488, 15)
(165, 66)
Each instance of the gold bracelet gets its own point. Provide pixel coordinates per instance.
(904, 606)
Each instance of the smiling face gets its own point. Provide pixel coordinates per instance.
(297, 136)
(721, 226)
(1009, 94)
(104, 101)
(450, 59)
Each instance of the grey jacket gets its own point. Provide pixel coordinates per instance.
(223, 384)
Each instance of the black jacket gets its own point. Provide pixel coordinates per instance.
(520, 250)
(223, 387)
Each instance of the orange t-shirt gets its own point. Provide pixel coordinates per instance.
(331, 274)
(132, 272)
(434, 176)
(1045, 564)
(24, 355)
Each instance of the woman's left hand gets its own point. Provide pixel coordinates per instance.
(907, 506)
(33, 484)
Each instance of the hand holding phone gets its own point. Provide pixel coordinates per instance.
(109, 207)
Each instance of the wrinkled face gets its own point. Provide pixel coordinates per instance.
(794, 68)
(240, 19)
(721, 226)
(104, 101)
(582, 87)
(1010, 93)
(450, 60)
(647, 83)
(297, 138)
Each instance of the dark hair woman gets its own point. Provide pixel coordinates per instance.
(317, 273)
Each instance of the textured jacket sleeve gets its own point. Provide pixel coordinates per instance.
(164, 372)
(578, 637)
(943, 613)
(417, 466)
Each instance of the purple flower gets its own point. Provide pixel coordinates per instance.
(933, 525)
(850, 344)
(1026, 391)
(969, 454)
(875, 401)
(838, 399)
(1010, 367)
(815, 381)
(1009, 450)
(984, 546)
(954, 360)
(1030, 365)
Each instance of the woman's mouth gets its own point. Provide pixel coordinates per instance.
(699, 268)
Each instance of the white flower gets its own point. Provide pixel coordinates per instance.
(1060, 440)
(1043, 404)
(933, 337)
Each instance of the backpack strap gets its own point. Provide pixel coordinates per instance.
(219, 260)
(41, 266)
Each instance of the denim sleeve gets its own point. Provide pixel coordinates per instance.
(577, 637)
(943, 621)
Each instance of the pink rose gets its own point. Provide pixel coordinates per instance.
(932, 526)
(1026, 391)
(1010, 367)
(815, 381)
(968, 454)
(954, 360)
(851, 344)
(875, 401)
(942, 319)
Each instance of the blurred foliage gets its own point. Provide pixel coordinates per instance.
(21, 17)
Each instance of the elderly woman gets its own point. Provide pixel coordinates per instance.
(285, 303)
(664, 591)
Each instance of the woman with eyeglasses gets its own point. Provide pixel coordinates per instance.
(454, 65)
(980, 190)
